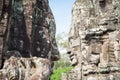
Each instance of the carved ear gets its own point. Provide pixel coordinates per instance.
(102, 3)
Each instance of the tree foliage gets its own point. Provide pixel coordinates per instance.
(63, 65)
(57, 74)
(62, 40)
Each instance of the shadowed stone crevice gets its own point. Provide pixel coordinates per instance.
(102, 3)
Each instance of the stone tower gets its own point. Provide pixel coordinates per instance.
(27, 40)
(94, 40)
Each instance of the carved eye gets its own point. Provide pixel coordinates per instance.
(102, 3)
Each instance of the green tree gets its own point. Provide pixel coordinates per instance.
(62, 45)
(63, 65)
(57, 74)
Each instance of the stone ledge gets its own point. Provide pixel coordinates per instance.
(26, 69)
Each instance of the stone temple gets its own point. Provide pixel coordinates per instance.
(28, 47)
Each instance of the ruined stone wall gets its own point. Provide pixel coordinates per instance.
(27, 40)
(94, 40)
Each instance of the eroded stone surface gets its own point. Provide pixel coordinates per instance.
(22, 18)
(43, 32)
(26, 69)
(94, 40)
(27, 30)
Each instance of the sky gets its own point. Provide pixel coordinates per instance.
(62, 13)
